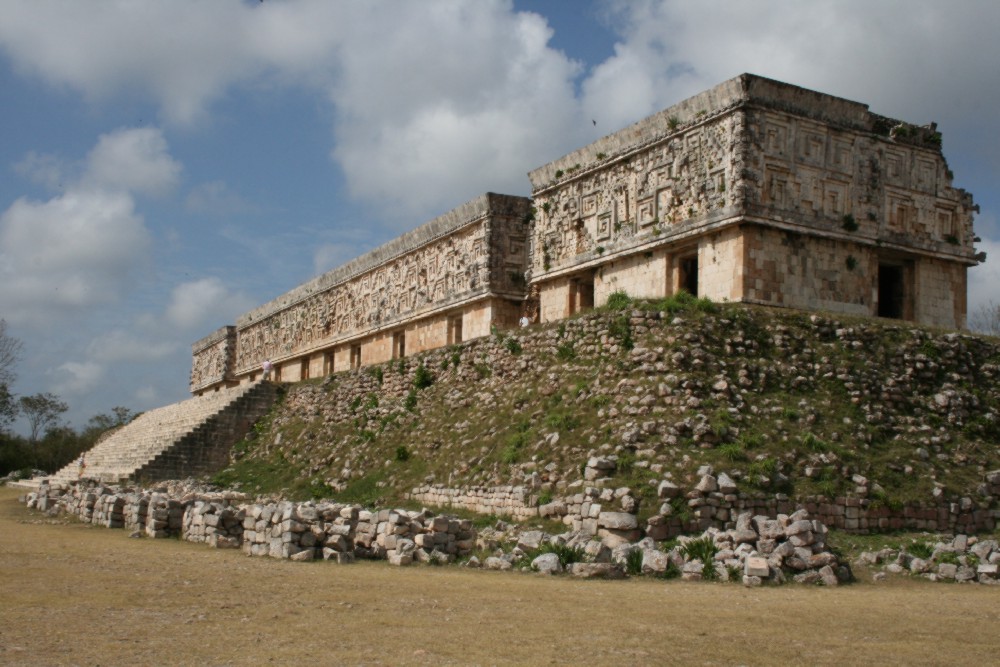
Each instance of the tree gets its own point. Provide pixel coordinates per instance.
(10, 351)
(42, 411)
(8, 407)
(986, 319)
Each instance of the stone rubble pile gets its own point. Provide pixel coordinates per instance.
(757, 550)
(963, 558)
(336, 531)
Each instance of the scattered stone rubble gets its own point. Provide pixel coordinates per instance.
(757, 550)
(279, 529)
(963, 558)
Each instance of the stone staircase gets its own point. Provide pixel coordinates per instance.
(189, 438)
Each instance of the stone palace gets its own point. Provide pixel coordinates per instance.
(754, 191)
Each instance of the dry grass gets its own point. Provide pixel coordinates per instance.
(74, 594)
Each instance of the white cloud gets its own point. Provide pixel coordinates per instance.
(180, 53)
(216, 198)
(983, 279)
(74, 378)
(136, 160)
(903, 57)
(421, 134)
(119, 345)
(82, 248)
(201, 302)
(68, 254)
(434, 102)
(48, 170)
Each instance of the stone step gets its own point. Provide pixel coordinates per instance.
(189, 437)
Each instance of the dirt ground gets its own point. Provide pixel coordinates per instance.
(73, 594)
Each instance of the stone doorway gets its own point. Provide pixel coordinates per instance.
(455, 330)
(399, 345)
(687, 274)
(892, 291)
(581, 293)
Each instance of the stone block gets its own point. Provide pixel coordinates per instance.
(617, 521)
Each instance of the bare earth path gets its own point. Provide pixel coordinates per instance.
(72, 594)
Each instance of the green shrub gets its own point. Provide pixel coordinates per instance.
(920, 550)
(402, 453)
(733, 451)
(671, 571)
(949, 557)
(703, 549)
(562, 422)
(812, 443)
(565, 352)
(633, 562)
(410, 402)
(567, 554)
(510, 454)
(621, 329)
(422, 378)
(513, 345)
(619, 300)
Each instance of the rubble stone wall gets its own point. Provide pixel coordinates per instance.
(717, 509)
(280, 529)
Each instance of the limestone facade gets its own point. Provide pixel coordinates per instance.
(754, 191)
(762, 192)
(449, 280)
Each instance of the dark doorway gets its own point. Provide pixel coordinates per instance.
(891, 291)
(689, 275)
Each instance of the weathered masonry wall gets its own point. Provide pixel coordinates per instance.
(838, 191)
(296, 531)
(712, 506)
(214, 357)
(451, 279)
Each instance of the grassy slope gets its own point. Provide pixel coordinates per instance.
(781, 400)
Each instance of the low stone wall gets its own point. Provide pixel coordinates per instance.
(518, 502)
(714, 502)
(297, 531)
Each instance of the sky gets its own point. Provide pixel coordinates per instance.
(167, 166)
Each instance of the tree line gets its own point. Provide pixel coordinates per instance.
(50, 444)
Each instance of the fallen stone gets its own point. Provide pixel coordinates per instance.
(597, 571)
(617, 521)
(547, 564)
(757, 567)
